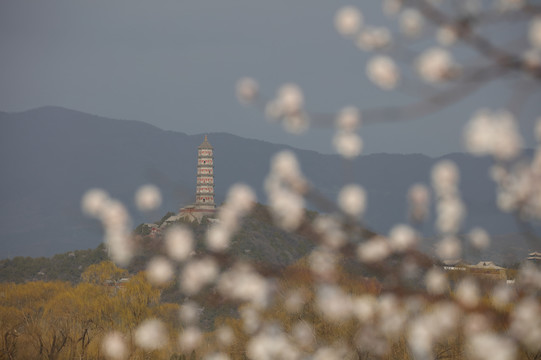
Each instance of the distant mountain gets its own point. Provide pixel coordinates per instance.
(50, 156)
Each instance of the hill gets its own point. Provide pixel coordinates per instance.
(50, 156)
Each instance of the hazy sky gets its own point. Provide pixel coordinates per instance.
(174, 64)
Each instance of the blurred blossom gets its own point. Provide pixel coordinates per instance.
(120, 246)
(436, 65)
(373, 250)
(148, 198)
(476, 322)
(114, 346)
(115, 216)
(225, 335)
(294, 301)
(94, 201)
(189, 312)
(189, 339)
(450, 212)
(467, 292)
(391, 7)
(287, 209)
(179, 242)
(285, 165)
(218, 238)
(446, 35)
(526, 323)
(502, 295)
(493, 133)
(445, 177)
(411, 22)
(479, 238)
(348, 20)
(383, 72)
(197, 274)
(402, 238)
(247, 90)
(322, 263)
(333, 303)
(449, 248)
(159, 271)
(250, 319)
(290, 99)
(348, 119)
(243, 284)
(529, 276)
(348, 144)
(304, 334)
(296, 123)
(419, 202)
(273, 111)
(271, 343)
(373, 38)
(151, 334)
(490, 346)
(436, 281)
(364, 308)
(329, 229)
(241, 198)
(420, 338)
(352, 200)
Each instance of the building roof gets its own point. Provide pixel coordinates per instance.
(486, 265)
(205, 144)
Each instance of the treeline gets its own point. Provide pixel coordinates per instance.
(59, 320)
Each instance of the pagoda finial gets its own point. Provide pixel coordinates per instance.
(205, 137)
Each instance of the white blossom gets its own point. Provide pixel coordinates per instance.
(490, 346)
(348, 144)
(373, 38)
(419, 202)
(189, 312)
(159, 271)
(374, 250)
(148, 197)
(151, 334)
(467, 292)
(402, 237)
(197, 274)
(479, 238)
(493, 133)
(383, 72)
(445, 177)
(436, 65)
(352, 200)
(449, 248)
(436, 281)
(190, 338)
(411, 22)
(179, 242)
(446, 35)
(333, 303)
(348, 119)
(247, 90)
(114, 346)
(94, 201)
(290, 99)
(348, 20)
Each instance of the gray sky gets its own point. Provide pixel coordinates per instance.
(174, 64)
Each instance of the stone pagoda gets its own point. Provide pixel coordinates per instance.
(204, 193)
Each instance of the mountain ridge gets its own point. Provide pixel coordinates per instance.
(52, 155)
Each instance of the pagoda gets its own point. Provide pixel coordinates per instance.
(204, 192)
